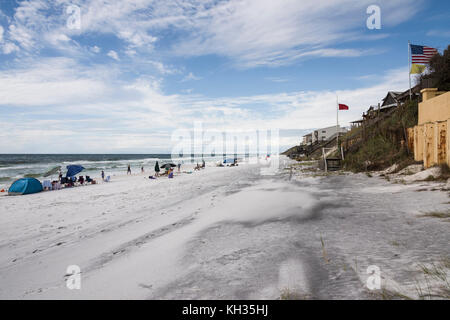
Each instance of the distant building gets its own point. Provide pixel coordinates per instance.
(307, 139)
(325, 134)
(356, 123)
(390, 101)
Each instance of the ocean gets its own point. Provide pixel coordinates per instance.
(15, 166)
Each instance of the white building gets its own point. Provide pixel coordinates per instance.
(325, 134)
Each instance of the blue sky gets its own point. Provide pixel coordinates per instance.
(135, 71)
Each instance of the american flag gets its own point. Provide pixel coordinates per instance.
(422, 54)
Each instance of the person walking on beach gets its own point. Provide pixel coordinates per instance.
(179, 167)
(157, 169)
(142, 169)
(129, 170)
(103, 175)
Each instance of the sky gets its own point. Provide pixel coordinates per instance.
(101, 76)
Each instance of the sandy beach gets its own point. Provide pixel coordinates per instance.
(221, 233)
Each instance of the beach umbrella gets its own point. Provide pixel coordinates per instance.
(168, 165)
(73, 170)
(53, 171)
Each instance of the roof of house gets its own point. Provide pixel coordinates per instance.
(393, 94)
(405, 95)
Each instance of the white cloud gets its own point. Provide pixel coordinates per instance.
(439, 33)
(190, 77)
(86, 108)
(95, 49)
(9, 47)
(266, 32)
(249, 32)
(276, 79)
(90, 108)
(51, 82)
(1, 33)
(56, 38)
(113, 55)
(137, 38)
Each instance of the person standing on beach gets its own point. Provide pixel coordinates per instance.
(157, 169)
(103, 175)
(179, 167)
(142, 169)
(129, 170)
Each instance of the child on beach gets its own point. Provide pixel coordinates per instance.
(129, 170)
(142, 169)
(103, 175)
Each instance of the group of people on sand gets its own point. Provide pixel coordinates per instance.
(168, 172)
(169, 169)
(198, 167)
(71, 181)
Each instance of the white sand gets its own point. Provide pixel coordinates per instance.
(218, 233)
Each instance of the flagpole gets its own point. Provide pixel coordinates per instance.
(337, 122)
(409, 71)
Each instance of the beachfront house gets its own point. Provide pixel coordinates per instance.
(356, 124)
(325, 134)
(307, 139)
(390, 101)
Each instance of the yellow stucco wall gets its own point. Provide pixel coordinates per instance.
(435, 109)
(447, 143)
(418, 143)
(432, 134)
(432, 143)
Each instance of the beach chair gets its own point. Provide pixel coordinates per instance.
(108, 178)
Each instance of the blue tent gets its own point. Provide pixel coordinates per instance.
(230, 160)
(73, 170)
(25, 186)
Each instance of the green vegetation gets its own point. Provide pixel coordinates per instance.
(384, 143)
(438, 273)
(439, 77)
(291, 151)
